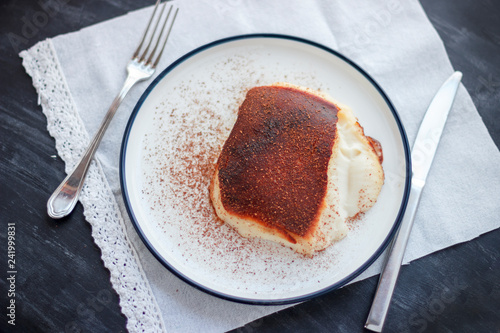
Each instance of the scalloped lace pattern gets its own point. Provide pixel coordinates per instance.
(100, 207)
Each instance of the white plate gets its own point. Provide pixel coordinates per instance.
(172, 142)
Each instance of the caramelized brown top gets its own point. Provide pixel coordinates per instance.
(377, 148)
(273, 167)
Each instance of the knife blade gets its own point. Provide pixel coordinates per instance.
(422, 155)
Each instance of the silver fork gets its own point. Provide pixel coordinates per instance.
(141, 67)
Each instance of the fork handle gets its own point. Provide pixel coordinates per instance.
(65, 197)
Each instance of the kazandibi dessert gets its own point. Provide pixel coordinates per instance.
(294, 168)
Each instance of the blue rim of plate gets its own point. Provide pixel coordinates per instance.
(244, 300)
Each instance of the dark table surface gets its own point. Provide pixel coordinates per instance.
(61, 282)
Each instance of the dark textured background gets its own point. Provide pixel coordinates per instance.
(62, 285)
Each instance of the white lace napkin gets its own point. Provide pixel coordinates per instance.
(77, 75)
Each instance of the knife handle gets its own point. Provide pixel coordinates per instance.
(389, 275)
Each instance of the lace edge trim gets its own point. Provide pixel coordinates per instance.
(45, 96)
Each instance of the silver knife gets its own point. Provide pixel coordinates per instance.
(422, 154)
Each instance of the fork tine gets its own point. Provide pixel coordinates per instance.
(153, 32)
(165, 40)
(136, 53)
(159, 36)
